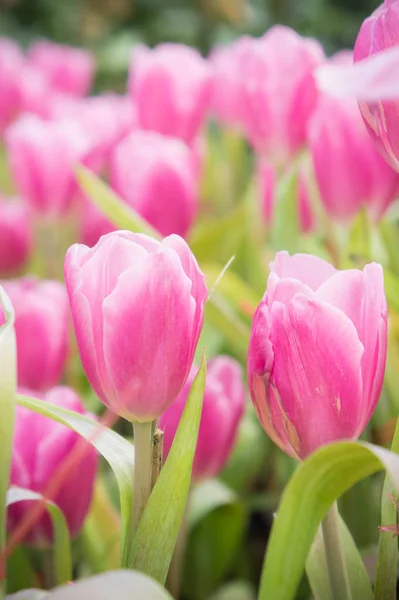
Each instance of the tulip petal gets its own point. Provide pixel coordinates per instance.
(309, 269)
(283, 290)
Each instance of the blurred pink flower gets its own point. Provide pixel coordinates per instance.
(15, 235)
(11, 64)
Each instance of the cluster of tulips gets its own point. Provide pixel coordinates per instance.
(138, 233)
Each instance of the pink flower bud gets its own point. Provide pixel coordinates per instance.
(42, 157)
(11, 64)
(171, 86)
(317, 352)
(15, 236)
(41, 446)
(41, 325)
(138, 308)
(267, 186)
(156, 175)
(222, 410)
(378, 33)
(69, 70)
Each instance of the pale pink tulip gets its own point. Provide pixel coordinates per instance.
(222, 410)
(42, 329)
(317, 352)
(171, 86)
(15, 235)
(138, 308)
(11, 64)
(41, 446)
(156, 175)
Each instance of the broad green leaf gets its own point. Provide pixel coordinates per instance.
(62, 542)
(391, 282)
(156, 535)
(111, 205)
(114, 448)
(359, 244)
(316, 484)
(220, 315)
(390, 238)
(387, 565)
(285, 231)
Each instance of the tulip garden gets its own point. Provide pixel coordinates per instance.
(199, 320)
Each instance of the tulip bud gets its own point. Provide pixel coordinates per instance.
(156, 175)
(349, 171)
(69, 70)
(41, 446)
(378, 33)
(42, 157)
(138, 308)
(317, 352)
(223, 407)
(15, 236)
(171, 86)
(41, 325)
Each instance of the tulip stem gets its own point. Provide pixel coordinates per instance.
(337, 572)
(142, 470)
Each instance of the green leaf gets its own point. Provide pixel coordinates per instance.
(111, 205)
(390, 238)
(316, 484)
(62, 542)
(158, 529)
(387, 565)
(391, 282)
(359, 244)
(114, 448)
(285, 232)
(220, 315)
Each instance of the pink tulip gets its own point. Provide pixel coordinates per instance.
(156, 175)
(41, 446)
(267, 186)
(278, 91)
(15, 236)
(317, 352)
(378, 33)
(69, 70)
(41, 325)
(42, 157)
(171, 86)
(93, 224)
(11, 64)
(138, 308)
(222, 410)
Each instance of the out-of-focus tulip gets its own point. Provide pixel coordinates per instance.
(11, 64)
(171, 86)
(278, 90)
(267, 185)
(15, 236)
(41, 446)
(378, 33)
(93, 224)
(41, 325)
(69, 70)
(223, 407)
(317, 352)
(42, 157)
(156, 175)
(138, 308)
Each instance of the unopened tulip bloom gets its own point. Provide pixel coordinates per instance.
(138, 308)
(69, 70)
(41, 325)
(317, 352)
(223, 407)
(15, 235)
(378, 33)
(156, 175)
(11, 64)
(42, 157)
(171, 87)
(41, 446)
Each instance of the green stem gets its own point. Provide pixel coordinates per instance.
(142, 470)
(338, 576)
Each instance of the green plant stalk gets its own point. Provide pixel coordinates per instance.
(338, 576)
(142, 483)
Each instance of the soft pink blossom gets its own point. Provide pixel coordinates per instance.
(15, 235)
(11, 64)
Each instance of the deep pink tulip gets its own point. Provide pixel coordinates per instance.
(41, 325)
(317, 352)
(222, 410)
(378, 33)
(349, 170)
(267, 186)
(278, 90)
(11, 64)
(69, 70)
(156, 175)
(171, 86)
(15, 235)
(42, 157)
(138, 308)
(41, 446)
